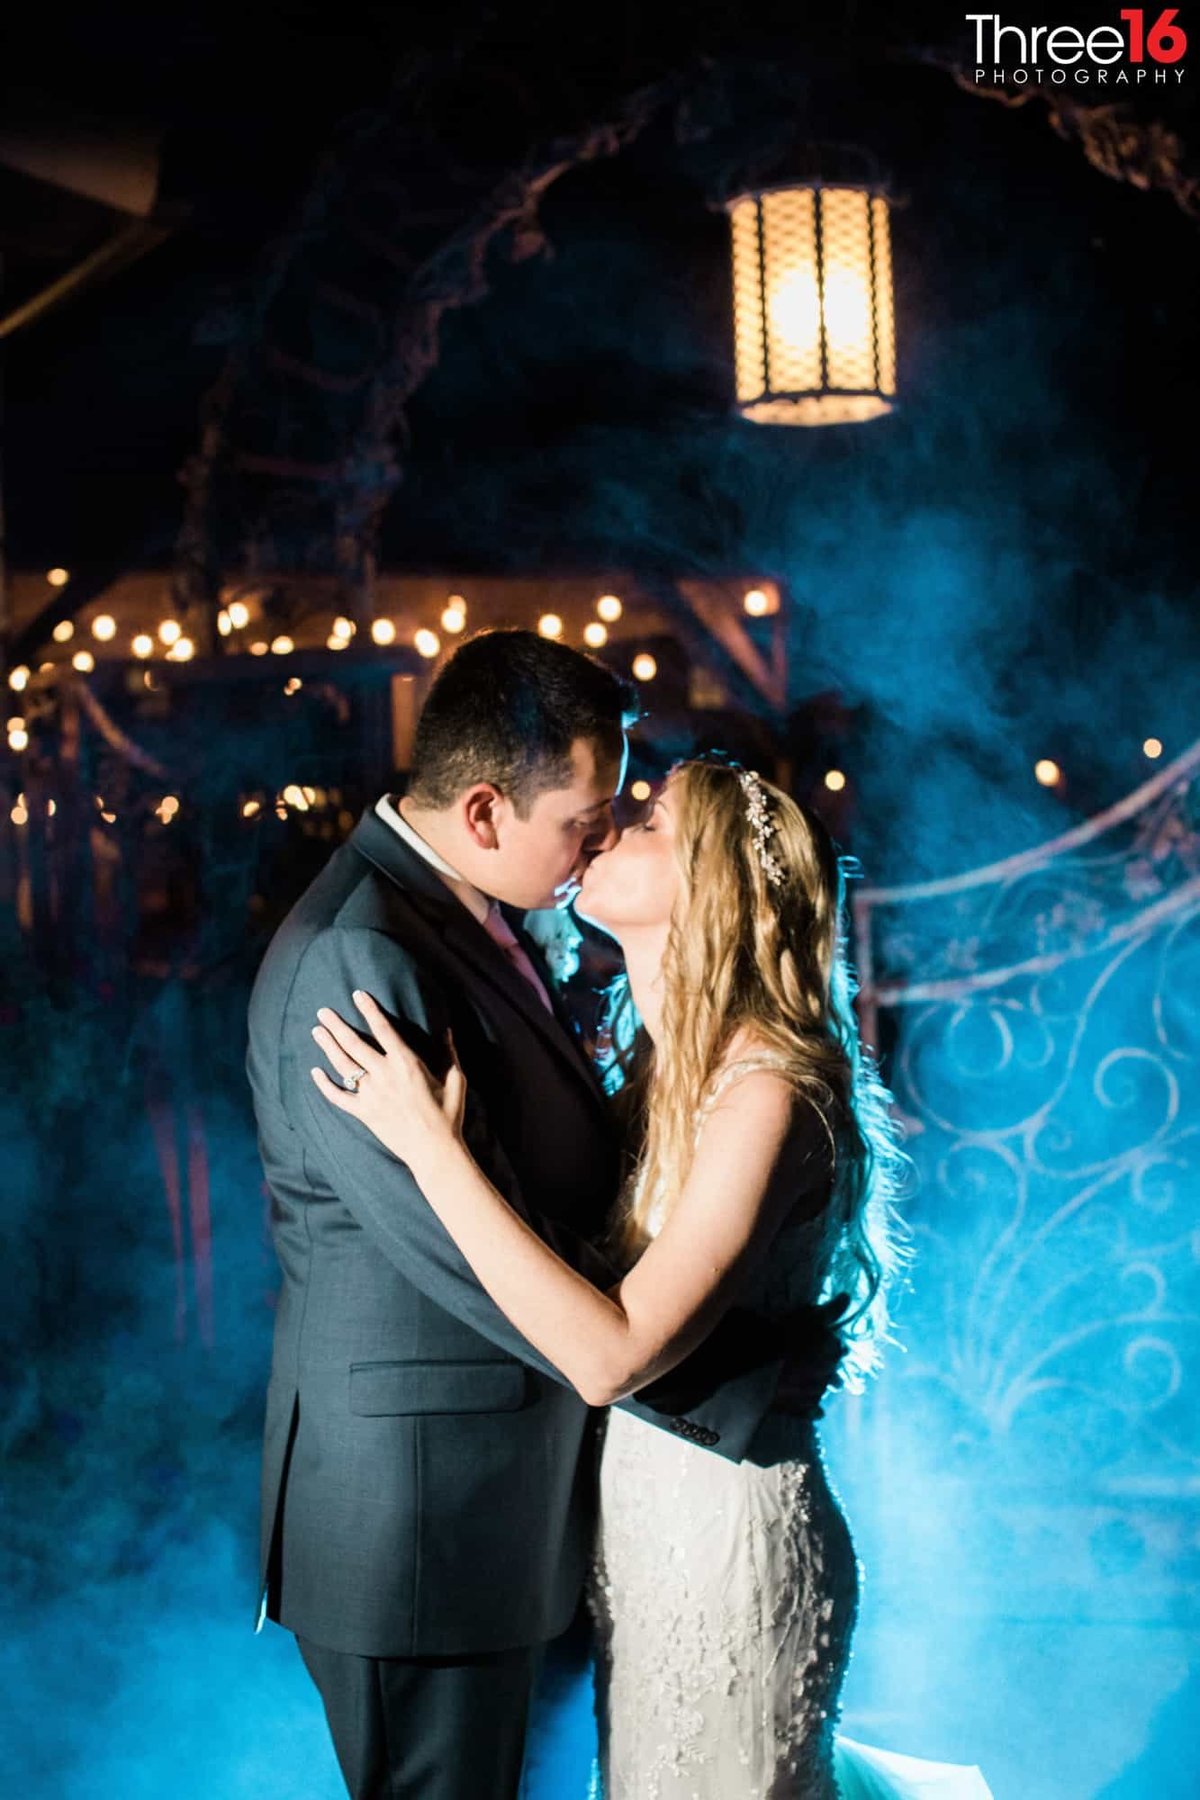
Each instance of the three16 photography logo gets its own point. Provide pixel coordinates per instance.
(1143, 47)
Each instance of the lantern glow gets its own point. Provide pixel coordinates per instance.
(814, 328)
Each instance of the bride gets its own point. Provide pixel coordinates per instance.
(724, 1594)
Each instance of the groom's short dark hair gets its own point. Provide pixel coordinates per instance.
(507, 708)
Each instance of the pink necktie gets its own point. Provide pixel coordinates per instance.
(501, 932)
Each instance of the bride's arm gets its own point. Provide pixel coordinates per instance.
(607, 1345)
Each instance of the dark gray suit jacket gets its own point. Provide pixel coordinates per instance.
(428, 1477)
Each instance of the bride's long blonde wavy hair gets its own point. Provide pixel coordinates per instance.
(743, 955)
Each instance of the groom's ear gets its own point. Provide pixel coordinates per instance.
(477, 809)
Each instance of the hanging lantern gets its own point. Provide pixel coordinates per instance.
(814, 325)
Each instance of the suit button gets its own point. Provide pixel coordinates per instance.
(706, 1437)
(680, 1426)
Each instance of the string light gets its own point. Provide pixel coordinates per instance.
(251, 809)
(384, 631)
(170, 632)
(58, 577)
(19, 814)
(1047, 772)
(343, 629)
(640, 790)
(167, 808)
(282, 646)
(550, 626)
(337, 643)
(295, 796)
(64, 631)
(104, 628)
(595, 634)
(84, 661)
(454, 615)
(427, 642)
(143, 644)
(835, 781)
(757, 603)
(644, 667)
(258, 648)
(293, 686)
(609, 608)
(51, 808)
(239, 615)
(18, 678)
(18, 739)
(45, 668)
(224, 623)
(110, 818)
(1152, 748)
(182, 650)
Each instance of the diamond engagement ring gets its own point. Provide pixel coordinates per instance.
(352, 1082)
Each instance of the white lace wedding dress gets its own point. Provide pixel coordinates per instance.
(724, 1594)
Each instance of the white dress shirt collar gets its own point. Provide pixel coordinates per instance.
(473, 898)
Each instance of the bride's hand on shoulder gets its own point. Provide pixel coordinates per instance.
(386, 1085)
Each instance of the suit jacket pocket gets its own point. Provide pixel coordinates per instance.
(436, 1387)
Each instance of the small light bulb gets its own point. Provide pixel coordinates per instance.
(595, 634)
(143, 644)
(609, 608)
(18, 740)
(170, 631)
(84, 661)
(224, 623)
(644, 667)
(259, 648)
(1152, 748)
(383, 631)
(18, 678)
(251, 808)
(454, 620)
(344, 629)
(182, 650)
(640, 790)
(756, 603)
(58, 577)
(293, 686)
(64, 631)
(19, 814)
(835, 781)
(239, 615)
(427, 642)
(1047, 772)
(282, 646)
(337, 643)
(550, 626)
(104, 628)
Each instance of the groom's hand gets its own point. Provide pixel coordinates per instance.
(813, 1348)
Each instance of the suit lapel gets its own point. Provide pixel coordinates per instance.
(466, 939)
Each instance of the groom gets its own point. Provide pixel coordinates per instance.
(428, 1496)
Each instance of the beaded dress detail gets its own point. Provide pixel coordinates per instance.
(724, 1595)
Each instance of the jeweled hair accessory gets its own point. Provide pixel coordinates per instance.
(761, 825)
